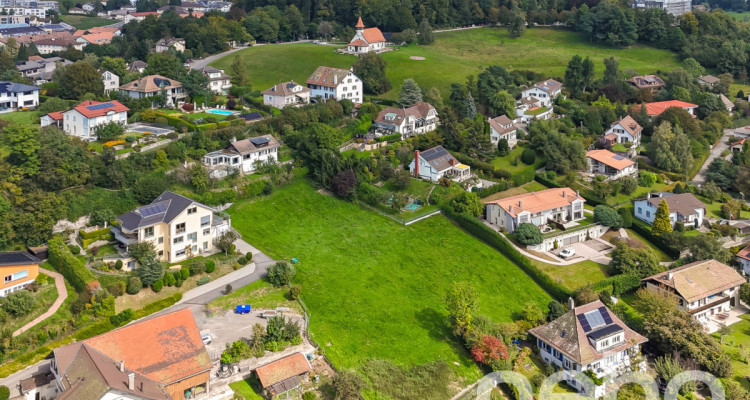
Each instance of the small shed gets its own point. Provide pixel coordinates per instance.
(284, 375)
(40, 252)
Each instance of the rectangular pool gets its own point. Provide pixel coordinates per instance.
(220, 112)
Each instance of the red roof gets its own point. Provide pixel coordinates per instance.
(659, 107)
(91, 109)
(144, 13)
(57, 115)
(744, 253)
(358, 42)
(373, 35)
(360, 24)
(283, 369)
(739, 142)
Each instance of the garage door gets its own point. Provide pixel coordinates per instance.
(570, 240)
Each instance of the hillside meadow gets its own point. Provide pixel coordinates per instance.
(453, 57)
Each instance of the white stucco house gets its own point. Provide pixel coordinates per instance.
(111, 81)
(218, 81)
(704, 289)
(589, 338)
(153, 85)
(530, 108)
(243, 156)
(546, 91)
(503, 128)
(286, 94)
(684, 208)
(164, 45)
(15, 96)
(558, 204)
(436, 163)
(366, 40)
(415, 120)
(335, 83)
(611, 165)
(81, 120)
(743, 258)
(626, 130)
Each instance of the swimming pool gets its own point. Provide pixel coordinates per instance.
(220, 112)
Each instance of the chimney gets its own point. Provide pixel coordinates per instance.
(122, 366)
(565, 194)
(510, 208)
(571, 303)
(578, 193)
(453, 162)
(648, 195)
(131, 381)
(416, 163)
(661, 194)
(670, 275)
(520, 204)
(335, 79)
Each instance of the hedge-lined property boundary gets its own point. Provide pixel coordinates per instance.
(501, 244)
(72, 268)
(644, 230)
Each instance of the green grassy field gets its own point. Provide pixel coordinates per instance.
(574, 276)
(86, 22)
(741, 336)
(453, 57)
(373, 287)
(739, 16)
(22, 117)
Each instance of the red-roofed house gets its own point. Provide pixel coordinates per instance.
(284, 375)
(611, 165)
(743, 256)
(738, 145)
(559, 204)
(82, 119)
(53, 118)
(366, 40)
(158, 358)
(655, 109)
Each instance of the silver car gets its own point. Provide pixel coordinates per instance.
(568, 252)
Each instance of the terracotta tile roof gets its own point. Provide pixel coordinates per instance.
(285, 89)
(698, 279)
(91, 108)
(166, 348)
(683, 203)
(144, 13)
(151, 83)
(727, 103)
(373, 35)
(537, 201)
(358, 43)
(99, 38)
(327, 76)
(394, 116)
(360, 24)
(610, 159)
(744, 253)
(654, 109)
(56, 115)
(36, 58)
(612, 137)
(628, 123)
(647, 81)
(739, 142)
(710, 79)
(280, 370)
(498, 123)
(568, 335)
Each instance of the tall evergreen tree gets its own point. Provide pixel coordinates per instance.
(470, 109)
(425, 32)
(662, 223)
(410, 93)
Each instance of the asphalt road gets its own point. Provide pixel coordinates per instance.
(700, 177)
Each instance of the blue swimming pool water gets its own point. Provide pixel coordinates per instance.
(219, 112)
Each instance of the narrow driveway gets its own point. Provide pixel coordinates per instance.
(700, 177)
(62, 294)
(200, 63)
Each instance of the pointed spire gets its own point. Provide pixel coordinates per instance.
(360, 24)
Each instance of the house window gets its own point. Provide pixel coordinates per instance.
(148, 232)
(195, 248)
(180, 253)
(180, 228)
(178, 239)
(206, 221)
(161, 253)
(161, 239)
(206, 231)
(205, 245)
(192, 237)
(640, 210)
(648, 214)
(8, 278)
(192, 210)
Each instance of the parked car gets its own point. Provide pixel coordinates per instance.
(568, 252)
(206, 337)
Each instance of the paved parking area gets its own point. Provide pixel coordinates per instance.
(155, 129)
(587, 250)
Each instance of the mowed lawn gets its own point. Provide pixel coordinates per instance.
(741, 337)
(86, 22)
(375, 288)
(22, 117)
(453, 57)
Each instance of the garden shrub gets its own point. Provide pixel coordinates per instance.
(157, 286)
(280, 274)
(309, 396)
(69, 266)
(527, 233)
(242, 260)
(4, 393)
(607, 216)
(122, 317)
(204, 280)
(184, 273)
(196, 267)
(134, 285)
(171, 280)
(118, 265)
(74, 249)
(130, 138)
(210, 266)
(626, 215)
(295, 291)
(161, 120)
(528, 156)
(18, 303)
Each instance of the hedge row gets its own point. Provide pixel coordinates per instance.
(482, 166)
(108, 237)
(94, 234)
(644, 230)
(618, 284)
(501, 244)
(206, 127)
(498, 187)
(175, 122)
(71, 267)
(546, 182)
(525, 175)
(396, 137)
(642, 164)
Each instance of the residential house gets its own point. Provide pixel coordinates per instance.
(111, 81)
(743, 258)
(626, 130)
(655, 109)
(708, 80)
(15, 96)
(286, 94)
(164, 45)
(415, 120)
(137, 67)
(546, 91)
(684, 208)
(38, 386)
(589, 338)
(366, 40)
(251, 117)
(727, 103)
(538, 208)
(284, 377)
(704, 289)
(436, 163)
(674, 7)
(40, 71)
(335, 83)
(179, 227)
(159, 358)
(242, 155)
(76, 11)
(738, 145)
(531, 108)
(98, 38)
(647, 82)
(611, 165)
(82, 120)
(218, 81)
(18, 269)
(154, 85)
(48, 46)
(53, 118)
(503, 128)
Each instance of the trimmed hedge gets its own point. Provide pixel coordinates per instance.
(69, 266)
(87, 242)
(396, 137)
(94, 234)
(644, 230)
(546, 182)
(501, 244)
(642, 164)
(175, 122)
(206, 127)
(482, 166)
(498, 187)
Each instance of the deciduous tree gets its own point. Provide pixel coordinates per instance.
(79, 79)
(371, 68)
(662, 223)
(461, 301)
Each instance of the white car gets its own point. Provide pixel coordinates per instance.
(567, 252)
(206, 337)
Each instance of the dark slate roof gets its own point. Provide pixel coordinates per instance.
(8, 258)
(608, 330)
(12, 87)
(253, 116)
(164, 208)
(438, 157)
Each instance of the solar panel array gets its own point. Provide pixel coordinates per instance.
(605, 315)
(152, 210)
(594, 319)
(618, 157)
(100, 106)
(260, 141)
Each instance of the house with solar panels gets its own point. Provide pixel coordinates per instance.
(436, 163)
(415, 120)
(179, 227)
(651, 83)
(244, 156)
(589, 338)
(82, 120)
(545, 92)
(611, 165)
